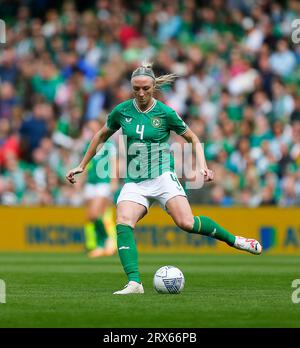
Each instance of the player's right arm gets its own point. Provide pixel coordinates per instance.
(96, 144)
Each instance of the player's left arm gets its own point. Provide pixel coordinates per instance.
(198, 151)
(177, 124)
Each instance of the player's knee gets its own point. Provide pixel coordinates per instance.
(124, 220)
(93, 216)
(185, 223)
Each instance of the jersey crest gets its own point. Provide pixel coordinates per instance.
(156, 122)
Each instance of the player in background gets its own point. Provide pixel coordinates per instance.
(146, 122)
(100, 229)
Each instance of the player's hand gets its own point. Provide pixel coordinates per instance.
(208, 174)
(71, 174)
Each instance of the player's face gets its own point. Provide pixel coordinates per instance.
(143, 88)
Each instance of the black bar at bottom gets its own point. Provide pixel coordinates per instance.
(136, 337)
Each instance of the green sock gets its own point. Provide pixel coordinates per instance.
(206, 226)
(128, 252)
(90, 236)
(100, 232)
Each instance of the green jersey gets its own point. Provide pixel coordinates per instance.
(99, 168)
(147, 134)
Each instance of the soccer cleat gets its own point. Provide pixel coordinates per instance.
(131, 288)
(247, 244)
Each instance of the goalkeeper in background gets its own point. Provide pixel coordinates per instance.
(100, 229)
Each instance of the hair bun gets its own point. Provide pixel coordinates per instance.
(147, 65)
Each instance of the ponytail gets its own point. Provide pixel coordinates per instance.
(146, 69)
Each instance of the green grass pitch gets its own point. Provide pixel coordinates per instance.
(70, 290)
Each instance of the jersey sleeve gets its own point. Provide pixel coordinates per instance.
(113, 118)
(176, 123)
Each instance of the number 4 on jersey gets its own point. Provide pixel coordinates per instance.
(140, 131)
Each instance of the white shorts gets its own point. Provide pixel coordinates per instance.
(92, 191)
(162, 188)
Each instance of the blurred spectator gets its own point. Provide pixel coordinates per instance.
(283, 103)
(219, 197)
(290, 196)
(295, 115)
(8, 101)
(46, 81)
(237, 160)
(8, 66)
(99, 99)
(254, 35)
(169, 22)
(283, 61)
(9, 142)
(33, 128)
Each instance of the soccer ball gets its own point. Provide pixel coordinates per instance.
(168, 280)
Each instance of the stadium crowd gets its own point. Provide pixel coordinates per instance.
(238, 89)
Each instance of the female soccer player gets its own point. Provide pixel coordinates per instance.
(100, 233)
(147, 123)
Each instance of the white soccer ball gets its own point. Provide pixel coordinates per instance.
(168, 280)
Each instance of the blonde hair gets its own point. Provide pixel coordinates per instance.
(146, 69)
